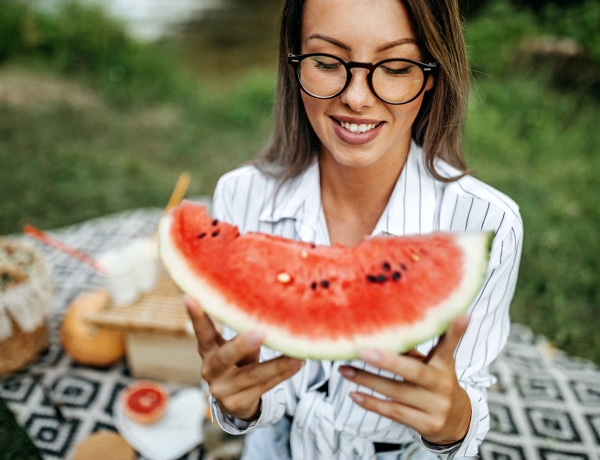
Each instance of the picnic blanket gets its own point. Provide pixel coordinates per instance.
(545, 406)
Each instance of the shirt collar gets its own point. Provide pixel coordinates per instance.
(298, 199)
(410, 210)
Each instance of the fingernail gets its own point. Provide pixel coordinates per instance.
(255, 338)
(357, 397)
(347, 372)
(370, 356)
(187, 303)
(296, 363)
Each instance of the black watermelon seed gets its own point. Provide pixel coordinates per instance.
(215, 222)
(382, 278)
(403, 267)
(215, 233)
(201, 235)
(396, 276)
(371, 278)
(325, 284)
(313, 285)
(386, 267)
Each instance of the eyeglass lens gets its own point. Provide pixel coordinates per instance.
(394, 81)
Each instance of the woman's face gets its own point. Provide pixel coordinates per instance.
(363, 31)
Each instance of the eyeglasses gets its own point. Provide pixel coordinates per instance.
(394, 81)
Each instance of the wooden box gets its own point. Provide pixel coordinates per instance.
(159, 338)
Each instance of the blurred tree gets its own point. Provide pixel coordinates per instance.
(470, 8)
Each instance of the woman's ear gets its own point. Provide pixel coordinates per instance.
(430, 83)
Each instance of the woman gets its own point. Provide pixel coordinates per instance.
(371, 97)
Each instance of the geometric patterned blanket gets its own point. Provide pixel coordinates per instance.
(545, 406)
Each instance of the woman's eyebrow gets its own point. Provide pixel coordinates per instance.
(331, 40)
(403, 41)
(339, 44)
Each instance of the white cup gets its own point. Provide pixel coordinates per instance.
(119, 277)
(145, 255)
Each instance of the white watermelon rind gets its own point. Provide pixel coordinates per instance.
(476, 246)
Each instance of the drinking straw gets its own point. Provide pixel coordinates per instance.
(176, 196)
(53, 242)
(179, 191)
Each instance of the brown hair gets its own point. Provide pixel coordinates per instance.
(438, 126)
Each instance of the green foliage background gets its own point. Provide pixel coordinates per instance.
(155, 115)
(535, 137)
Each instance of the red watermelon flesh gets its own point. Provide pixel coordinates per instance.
(324, 302)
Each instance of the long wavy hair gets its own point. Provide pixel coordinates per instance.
(439, 123)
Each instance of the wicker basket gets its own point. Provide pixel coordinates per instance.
(25, 295)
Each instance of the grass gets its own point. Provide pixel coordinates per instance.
(96, 123)
(543, 154)
(66, 161)
(69, 163)
(535, 137)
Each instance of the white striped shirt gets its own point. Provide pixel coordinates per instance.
(332, 426)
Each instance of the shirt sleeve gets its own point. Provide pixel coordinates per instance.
(487, 332)
(272, 406)
(267, 416)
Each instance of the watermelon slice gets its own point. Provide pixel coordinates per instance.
(324, 302)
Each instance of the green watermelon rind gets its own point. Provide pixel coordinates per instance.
(476, 247)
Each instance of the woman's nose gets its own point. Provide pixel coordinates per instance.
(358, 94)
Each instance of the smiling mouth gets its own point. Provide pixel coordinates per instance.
(358, 128)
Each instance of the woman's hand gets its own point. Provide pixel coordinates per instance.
(429, 399)
(236, 378)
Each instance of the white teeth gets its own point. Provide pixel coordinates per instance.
(353, 127)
